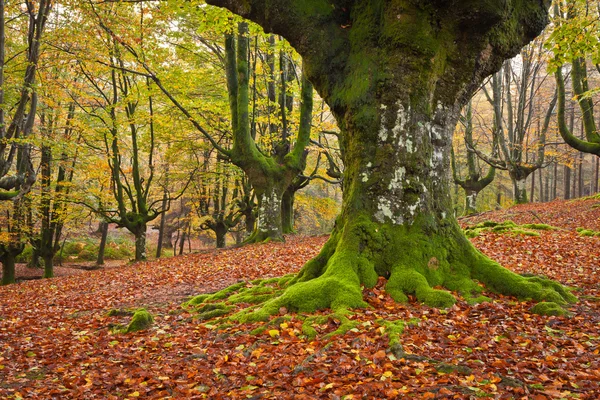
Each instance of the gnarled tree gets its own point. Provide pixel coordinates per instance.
(395, 74)
(473, 183)
(515, 90)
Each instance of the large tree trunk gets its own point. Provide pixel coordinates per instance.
(48, 265)
(101, 249)
(221, 234)
(8, 269)
(268, 221)
(519, 190)
(470, 202)
(8, 256)
(395, 76)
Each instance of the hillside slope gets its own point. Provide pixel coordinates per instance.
(56, 341)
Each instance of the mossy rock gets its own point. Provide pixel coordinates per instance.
(140, 321)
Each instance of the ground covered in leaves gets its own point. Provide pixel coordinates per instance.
(56, 339)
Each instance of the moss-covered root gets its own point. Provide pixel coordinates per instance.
(394, 329)
(507, 282)
(336, 289)
(548, 308)
(408, 281)
(140, 321)
(340, 315)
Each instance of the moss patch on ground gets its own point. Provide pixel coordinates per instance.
(507, 227)
(587, 232)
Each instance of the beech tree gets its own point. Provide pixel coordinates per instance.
(395, 75)
(473, 183)
(18, 104)
(514, 94)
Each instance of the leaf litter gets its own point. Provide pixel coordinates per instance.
(56, 339)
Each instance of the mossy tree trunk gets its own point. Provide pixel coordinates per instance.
(518, 176)
(8, 268)
(140, 241)
(395, 75)
(287, 210)
(221, 233)
(8, 256)
(102, 246)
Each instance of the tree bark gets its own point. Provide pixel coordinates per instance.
(102, 246)
(161, 229)
(287, 211)
(519, 187)
(8, 269)
(8, 256)
(140, 243)
(567, 182)
(395, 75)
(221, 234)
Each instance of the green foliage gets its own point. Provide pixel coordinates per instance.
(574, 33)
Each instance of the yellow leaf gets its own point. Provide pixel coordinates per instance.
(388, 374)
(135, 394)
(273, 333)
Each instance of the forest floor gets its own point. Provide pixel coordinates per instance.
(56, 341)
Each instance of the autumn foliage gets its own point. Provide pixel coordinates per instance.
(58, 336)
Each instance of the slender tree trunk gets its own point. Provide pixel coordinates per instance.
(555, 181)
(287, 211)
(596, 173)
(250, 221)
(532, 190)
(35, 255)
(182, 241)
(161, 229)
(542, 197)
(567, 182)
(101, 249)
(580, 181)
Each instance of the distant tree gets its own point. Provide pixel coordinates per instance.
(515, 97)
(473, 182)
